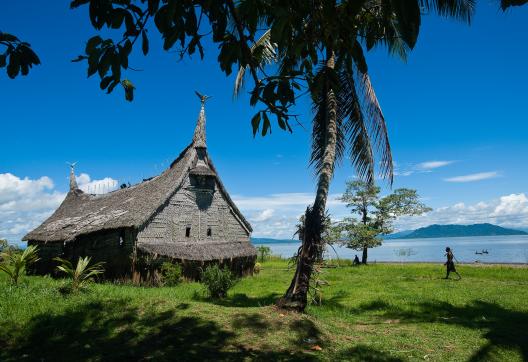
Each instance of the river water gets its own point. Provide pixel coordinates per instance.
(501, 249)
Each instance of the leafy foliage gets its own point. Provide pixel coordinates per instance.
(82, 274)
(171, 274)
(218, 280)
(294, 35)
(15, 263)
(263, 252)
(376, 214)
(18, 57)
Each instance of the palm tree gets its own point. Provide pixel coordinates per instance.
(82, 273)
(346, 111)
(14, 263)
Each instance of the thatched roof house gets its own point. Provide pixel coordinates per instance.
(183, 214)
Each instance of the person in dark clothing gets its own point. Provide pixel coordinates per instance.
(450, 264)
(356, 261)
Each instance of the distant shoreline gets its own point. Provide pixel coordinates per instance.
(465, 263)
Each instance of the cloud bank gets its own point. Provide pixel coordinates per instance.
(25, 202)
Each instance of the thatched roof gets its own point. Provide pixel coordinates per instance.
(199, 251)
(81, 213)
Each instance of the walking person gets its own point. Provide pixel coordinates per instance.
(450, 264)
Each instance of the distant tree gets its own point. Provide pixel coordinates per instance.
(376, 215)
(263, 252)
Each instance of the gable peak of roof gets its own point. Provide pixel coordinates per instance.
(199, 140)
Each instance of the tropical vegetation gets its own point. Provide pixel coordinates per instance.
(376, 215)
(380, 312)
(80, 275)
(14, 263)
(218, 280)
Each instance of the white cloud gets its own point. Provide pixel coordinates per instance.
(85, 183)
(422, 167)
(473, 177)
(25, 202)
(430, 165)
(507, 211)
(276, 215)
(264, 215)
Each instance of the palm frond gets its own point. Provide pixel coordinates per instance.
(352, 118)
(263, 52)
(377, 125)
(459, 9)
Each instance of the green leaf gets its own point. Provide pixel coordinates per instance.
(129, 89)
(266, 126)
(255, 122)
(92, 43)
(13, 68)
(112, 86)
(409, 19)
(8, 37)
(105, 82)
(145, 42)
(153, 6)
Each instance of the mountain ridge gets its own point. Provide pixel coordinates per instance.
(454, 230)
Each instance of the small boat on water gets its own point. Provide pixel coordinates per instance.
(483, 251)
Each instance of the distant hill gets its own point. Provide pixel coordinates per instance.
(398, 235)
(446, 231)
(272, 241)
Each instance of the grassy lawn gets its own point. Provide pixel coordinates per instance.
(372, 313)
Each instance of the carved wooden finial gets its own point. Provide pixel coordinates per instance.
(73, 181)
(199, 132)
(203, 97)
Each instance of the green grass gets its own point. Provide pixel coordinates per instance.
(374, 313)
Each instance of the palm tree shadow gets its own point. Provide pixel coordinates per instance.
(502, 327)
(118, 331)
(240, 300)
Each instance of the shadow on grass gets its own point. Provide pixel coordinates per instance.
(240, 300)
(366, 354)
(502, 327)
(117, 331)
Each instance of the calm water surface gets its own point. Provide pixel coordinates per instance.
(501, 249)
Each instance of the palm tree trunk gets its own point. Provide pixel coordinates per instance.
(296, 297)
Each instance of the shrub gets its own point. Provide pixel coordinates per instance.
(15, 263)
(82, 274)
(218, 280)
(264, 252)
(257, 268)
(3, 244)
(171, 274)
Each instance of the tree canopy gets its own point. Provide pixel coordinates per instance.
(375, 214)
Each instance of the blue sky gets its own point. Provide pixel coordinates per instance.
(455, 111)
